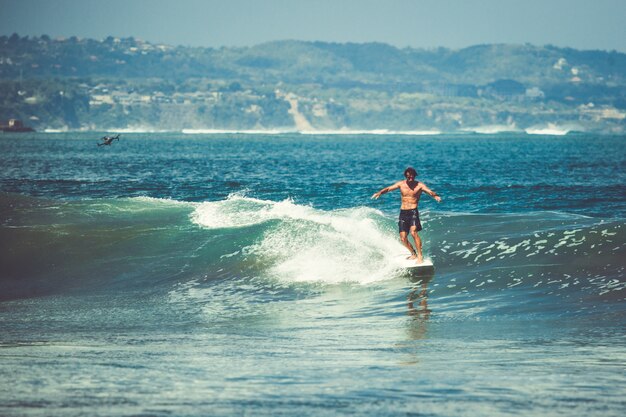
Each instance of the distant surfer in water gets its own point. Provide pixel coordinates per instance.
(409, 221)
(107, 140)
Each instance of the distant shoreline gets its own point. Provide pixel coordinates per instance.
(547, 131)
(311, 87)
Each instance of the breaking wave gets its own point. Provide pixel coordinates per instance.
(160, 244)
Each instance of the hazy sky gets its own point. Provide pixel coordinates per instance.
(582, 24)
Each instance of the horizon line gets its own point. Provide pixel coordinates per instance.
(287, 40)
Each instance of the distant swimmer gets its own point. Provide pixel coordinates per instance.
(409, 221)
(107, 140)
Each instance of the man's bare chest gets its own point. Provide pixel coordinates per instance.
(408, 191)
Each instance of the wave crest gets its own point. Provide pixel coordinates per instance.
(307, 244)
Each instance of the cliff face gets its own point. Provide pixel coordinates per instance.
(126, 83)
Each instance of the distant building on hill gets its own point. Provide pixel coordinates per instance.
(15, 125)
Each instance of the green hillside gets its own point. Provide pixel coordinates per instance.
(127, 83)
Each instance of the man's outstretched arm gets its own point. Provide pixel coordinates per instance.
(431, 193)
(385, 190)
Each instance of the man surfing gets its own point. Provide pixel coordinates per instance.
(409, 221)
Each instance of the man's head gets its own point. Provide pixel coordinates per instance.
(410, 173)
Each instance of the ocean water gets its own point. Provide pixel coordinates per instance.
(251, 274)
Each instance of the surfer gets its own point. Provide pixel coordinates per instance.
(107, 140)
(409, 221)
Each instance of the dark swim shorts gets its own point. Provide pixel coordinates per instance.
(408, 219)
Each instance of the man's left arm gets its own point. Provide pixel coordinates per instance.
(431, 193)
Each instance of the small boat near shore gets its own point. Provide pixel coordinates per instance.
(15, 125)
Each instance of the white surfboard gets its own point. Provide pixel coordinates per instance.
(403, 262)
(413, 270)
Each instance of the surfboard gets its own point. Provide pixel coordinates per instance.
(402, 261)
(411, 267)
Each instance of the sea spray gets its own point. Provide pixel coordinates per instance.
(301, 243)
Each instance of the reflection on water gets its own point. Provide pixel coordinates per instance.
(417, 303)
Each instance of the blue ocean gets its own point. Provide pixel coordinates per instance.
(227, 274)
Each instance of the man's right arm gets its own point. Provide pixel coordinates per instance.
(386, 190)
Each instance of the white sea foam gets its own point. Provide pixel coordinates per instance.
(549, 129)
(161, 201)
(492, 129)
(238, 211)
(236, 131)
(311, 132)
(371, 132)
(138, 129)
(310, 245)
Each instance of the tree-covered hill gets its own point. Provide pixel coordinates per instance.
(116, 83)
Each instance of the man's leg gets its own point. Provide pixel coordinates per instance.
(418, 244)
(405, 241)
